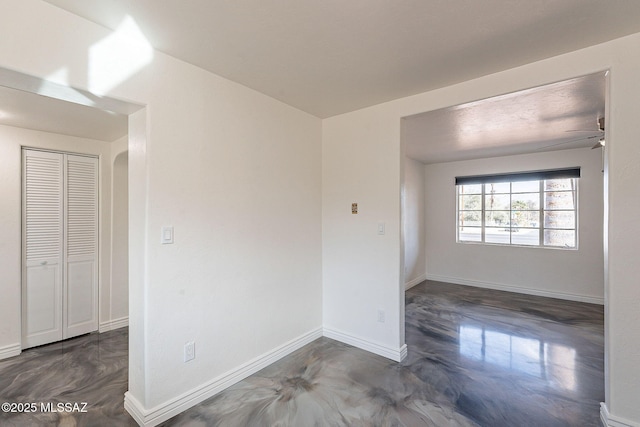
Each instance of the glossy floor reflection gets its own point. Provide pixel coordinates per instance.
(476, 357)
(510, 359)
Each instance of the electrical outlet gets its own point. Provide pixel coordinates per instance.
(381, 316)
(189, 351)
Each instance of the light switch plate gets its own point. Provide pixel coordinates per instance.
(189, 351)
(166, 237)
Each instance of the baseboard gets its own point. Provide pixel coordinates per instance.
(160, 413)
(134, 408)
(516, 289)
(396, 354)
(609, 420)
(110, 325)
(10, 351)
(410, 284)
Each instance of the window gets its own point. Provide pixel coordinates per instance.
(523, 209)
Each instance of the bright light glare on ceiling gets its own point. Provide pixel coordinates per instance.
(117, 57)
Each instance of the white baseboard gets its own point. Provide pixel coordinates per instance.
(10, 351)
(164, 411)
(517, 289)
(411, 283)
(110, 325)
(609, 420)
(396, 354)
(135, 409)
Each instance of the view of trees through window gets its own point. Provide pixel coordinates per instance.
(525, 213)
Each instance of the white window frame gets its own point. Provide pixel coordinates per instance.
(541, 211)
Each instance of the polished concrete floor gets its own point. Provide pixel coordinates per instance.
(476, 358)
(90, 369)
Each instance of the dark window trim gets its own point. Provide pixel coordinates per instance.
(573, 172)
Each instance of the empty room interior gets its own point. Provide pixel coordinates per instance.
(320, 213)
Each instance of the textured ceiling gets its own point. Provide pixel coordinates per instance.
(332, 56)
(558, 116)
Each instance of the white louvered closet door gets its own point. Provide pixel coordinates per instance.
(80, 315)
(60, 217)
(42, 246)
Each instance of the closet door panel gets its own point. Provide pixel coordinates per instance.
(81, 207)
(80, 296)
(42, 200)
(43, 306)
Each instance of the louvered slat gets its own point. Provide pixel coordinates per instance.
(82, 206)
(43, 203)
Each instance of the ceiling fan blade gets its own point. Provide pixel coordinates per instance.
(568, 142)
(600, 127)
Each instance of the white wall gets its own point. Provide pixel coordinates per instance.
(570, 274)
(236, 173)
(119, 304)
(362, 269)
(361, 152)
(414, 222)
(11, 141)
